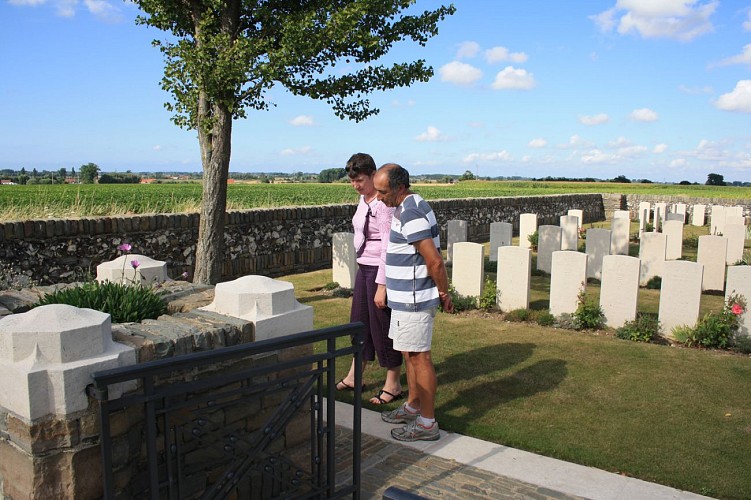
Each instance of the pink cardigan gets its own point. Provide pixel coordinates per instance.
(378, 235)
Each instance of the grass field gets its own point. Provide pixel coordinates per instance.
(670, 415)
(62, 201)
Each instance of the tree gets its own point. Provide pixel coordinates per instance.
(467, 176)
(88, 173)
(621, 179)
(331, 175)
(715, 180)
(224, 56)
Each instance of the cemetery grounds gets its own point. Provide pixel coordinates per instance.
(659, 412)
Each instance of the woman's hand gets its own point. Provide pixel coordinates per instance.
(380, 297)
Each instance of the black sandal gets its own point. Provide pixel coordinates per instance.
(346, 387)
(381, 401)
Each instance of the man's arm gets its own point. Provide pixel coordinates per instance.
(436, 270)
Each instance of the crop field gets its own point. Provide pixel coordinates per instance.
(62, 201)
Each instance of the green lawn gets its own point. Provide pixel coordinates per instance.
(671, 415)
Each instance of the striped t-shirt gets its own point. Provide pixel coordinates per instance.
(408, 284)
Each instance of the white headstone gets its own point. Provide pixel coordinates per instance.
(619, 289)
(500, 236)
(698, 215)
(680, 295)
(456, 233)
(619, 237)
(670, 216)
(569, 232)
(579, 214)
(513, 282)
(267, 303)
(598, 246)
(622, 214)
(712, 253)
(739, 283)
(549, 241)
(652, 256)
(673, 230)
(736, 235)
(567, 280)
(717, 220)
(343, 259)
(644, 210)
(734, 219)
(468, 269)
(680, 208)
(660, 210)
(47, 356)
(527, 226)
(131, 269)
(734, 211)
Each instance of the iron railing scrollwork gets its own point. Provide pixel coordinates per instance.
(249, 421)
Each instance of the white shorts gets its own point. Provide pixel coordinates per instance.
(412, 331)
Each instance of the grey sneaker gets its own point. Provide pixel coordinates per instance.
(399, 415)
(413, 431)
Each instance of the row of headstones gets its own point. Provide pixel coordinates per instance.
(680, 294)
(662, 212)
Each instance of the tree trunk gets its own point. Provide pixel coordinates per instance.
(215, 144)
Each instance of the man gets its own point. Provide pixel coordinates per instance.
(416, 284)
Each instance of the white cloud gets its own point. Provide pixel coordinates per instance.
(398, 104)
(739, 99)
(467, 50)
(677, 19)
(158, 147)
(678, 163)
(512, 78)
(302, 121)
(742, 58)
(102, 9)
(459, 73)
(594, 119)
(499, 54)
(432, 134)
(538, 142)
(643, 115)
(747, 22)
(595, 156)
(660, 148)
(296, 151)
(502, 155)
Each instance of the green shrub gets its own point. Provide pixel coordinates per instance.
(489, 298)
(654, 283)
(544, 318)
(534, 239)
(461, 302)
(566, 321)
(643, 329)
(331, 285)
(517, 315)
(123, 302)
(342, 292)
(588, 315)
(714, 330)
(691, 241)
(491, 266)
(742, 344)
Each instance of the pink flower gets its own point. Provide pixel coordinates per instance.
(135, 263)
(737, 309)
(125, 247)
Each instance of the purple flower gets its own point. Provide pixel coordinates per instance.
(135, 263)
(184, 275)
(125, 247)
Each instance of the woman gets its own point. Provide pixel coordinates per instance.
(372, 224)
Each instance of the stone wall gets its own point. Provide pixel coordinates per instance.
(631, 202)
(269, 242)
(59, 456)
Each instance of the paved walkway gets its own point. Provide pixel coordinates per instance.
(458, 466)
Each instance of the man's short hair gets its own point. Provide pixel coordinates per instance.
(397, 176)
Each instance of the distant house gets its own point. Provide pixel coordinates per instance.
(147, 180)
(6, 182)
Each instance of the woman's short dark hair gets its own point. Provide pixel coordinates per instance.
(360, 163)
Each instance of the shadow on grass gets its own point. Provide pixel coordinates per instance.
(486, 396)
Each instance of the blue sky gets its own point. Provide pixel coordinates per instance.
(657, 89)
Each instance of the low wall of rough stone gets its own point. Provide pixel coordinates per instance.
(60, 456)
(268, 242)
(631, 203)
